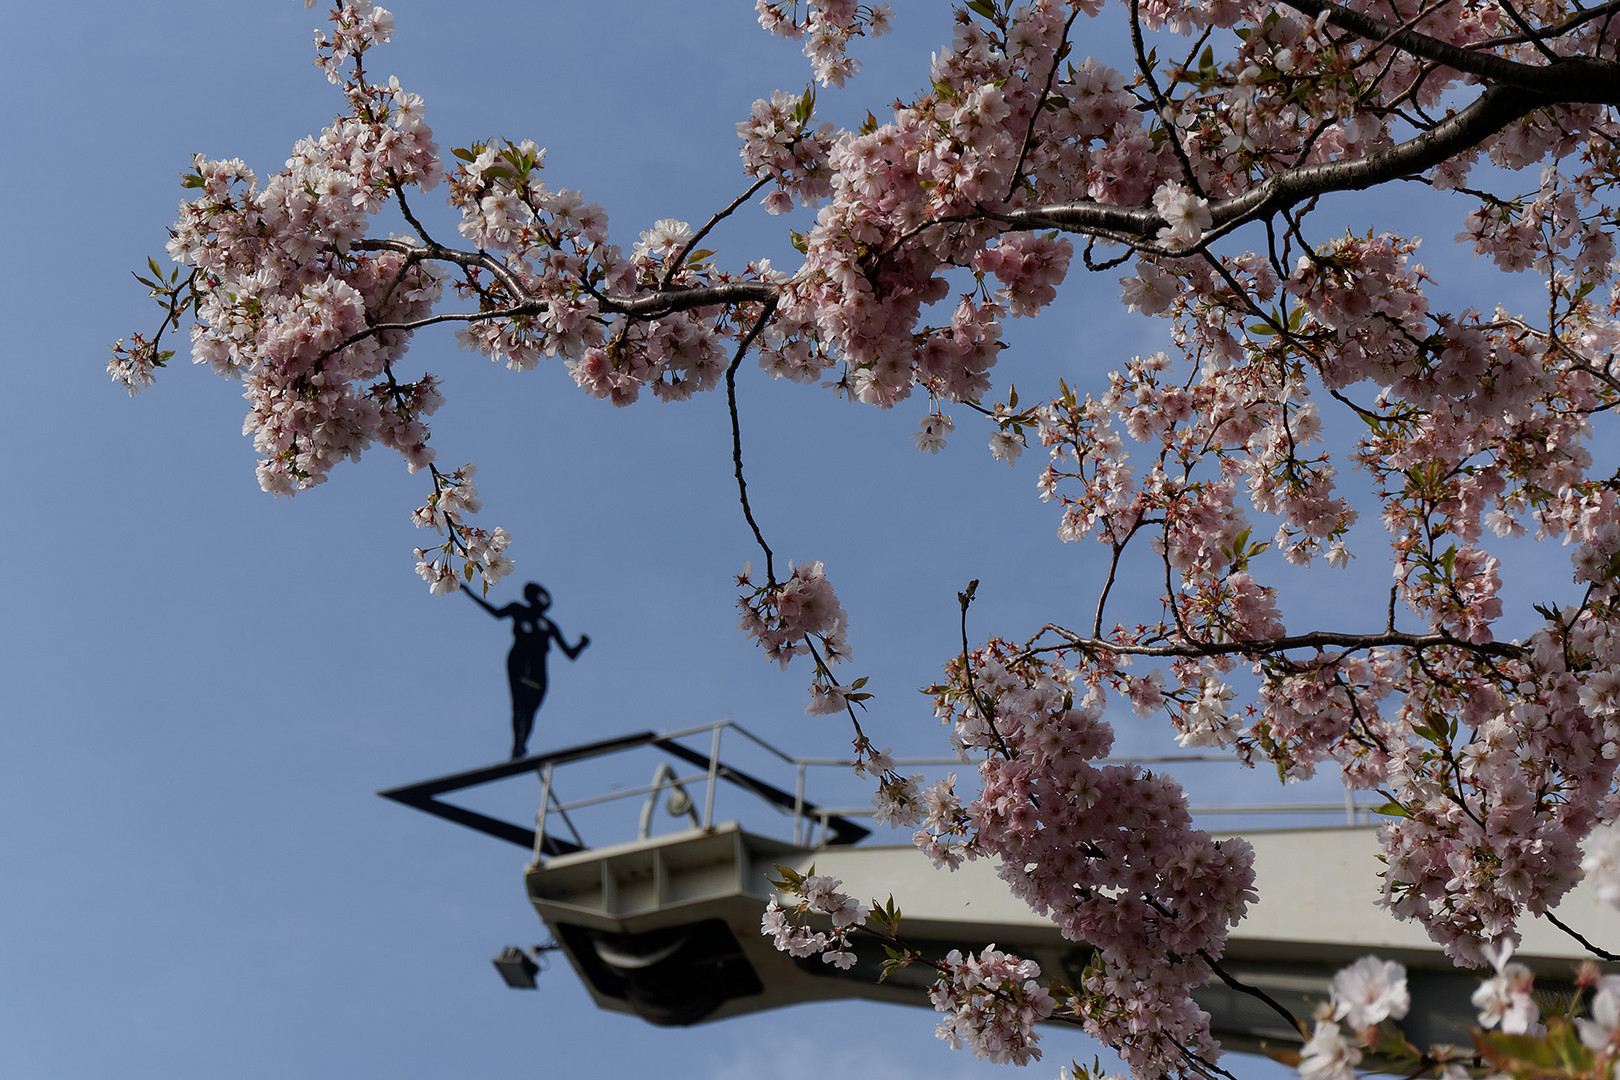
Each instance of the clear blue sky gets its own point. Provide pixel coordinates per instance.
(206, 686)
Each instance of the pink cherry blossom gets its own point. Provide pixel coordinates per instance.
(1370, 991)
(1328, 1056)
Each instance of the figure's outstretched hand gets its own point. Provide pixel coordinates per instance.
(479, 600)
(584, 640)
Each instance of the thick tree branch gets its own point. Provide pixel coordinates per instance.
(1570, 79)
(1315, 640)
(649, 306)
(1486, 115)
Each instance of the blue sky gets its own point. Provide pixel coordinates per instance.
(207, 686)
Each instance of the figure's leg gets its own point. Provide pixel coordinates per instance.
(522, 725)
(524, 706)
(523, 703)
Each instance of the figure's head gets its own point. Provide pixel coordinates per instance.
(536, 595)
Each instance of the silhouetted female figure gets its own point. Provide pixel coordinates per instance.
(532, 634)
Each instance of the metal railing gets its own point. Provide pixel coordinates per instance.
(811, 825)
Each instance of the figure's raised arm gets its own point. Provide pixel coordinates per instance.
(579, 647)
(485, 604)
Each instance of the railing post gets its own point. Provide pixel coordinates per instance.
(540, 814)
(714, 773)
(798, 808)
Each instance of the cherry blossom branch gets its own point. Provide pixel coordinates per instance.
(1567, 79)
(665, 301)
(1534, 37)
(185, 287)
(405, 210)
(1485, 116)
(1116, 548)
(691, 245)
(1260, 647)
(474, 260)
(965, 599)
(1558, 29)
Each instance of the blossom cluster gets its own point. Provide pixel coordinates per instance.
(454, 500)
(1496, 754)
(991, 1003)
(1109, 852)
(826, 27)
(779, 143)
(1371, 994)
(818, 895)
(791, 618)
(1363, 996)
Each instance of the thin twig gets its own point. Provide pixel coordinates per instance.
(965, 598)
(1243, 987)
(1601, 954)
(1058, 54)
(736, 435)
(680, 256)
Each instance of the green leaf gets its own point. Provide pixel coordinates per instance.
(983, 7)
(790, 880)
(797, 239)
(807, 104)
(1506, 1051)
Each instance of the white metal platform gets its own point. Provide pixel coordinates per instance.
(668, 926)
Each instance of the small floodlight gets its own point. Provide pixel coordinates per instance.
(679, 802)
(517, 968)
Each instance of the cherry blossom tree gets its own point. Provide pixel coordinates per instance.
(1191, 184)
